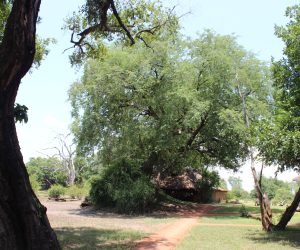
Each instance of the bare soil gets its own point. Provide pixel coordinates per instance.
(69, 214)
(173, 233)
(166, 227)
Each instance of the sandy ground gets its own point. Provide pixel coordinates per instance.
(70, 215)
(166, 228)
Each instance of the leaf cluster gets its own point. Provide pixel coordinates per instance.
(99, 23)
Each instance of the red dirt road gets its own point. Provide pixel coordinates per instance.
(168, 237)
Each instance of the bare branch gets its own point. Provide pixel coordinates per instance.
(116, 14)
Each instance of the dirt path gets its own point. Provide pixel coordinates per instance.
(168, 237)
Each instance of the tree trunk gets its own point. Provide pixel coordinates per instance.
(265, 208)
(23, 220)
(289, 212)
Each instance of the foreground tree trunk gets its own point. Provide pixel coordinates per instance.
(23, 220)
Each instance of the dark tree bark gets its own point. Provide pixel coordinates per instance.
(23, 220)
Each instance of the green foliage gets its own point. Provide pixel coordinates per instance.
(223, 184)
(280, 192)
(244, 211)
(48, 171)
(237, 191)
(137, 197)
(76, 192)
(35, 185)
(145, 20)
(86, 168)
(20, 113)
(5, 8)
(283, 197)
(209, 180)
(56, 191)
(279, 139)
(235, 182)
(170, 107)
(42, 50)
(124, 187)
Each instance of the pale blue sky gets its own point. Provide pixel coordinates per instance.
(44, 91)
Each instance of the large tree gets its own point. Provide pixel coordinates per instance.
(23, 220)
(24, 224)
(174, 106)
(279, 138)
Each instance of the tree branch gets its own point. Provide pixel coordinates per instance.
(197, 130)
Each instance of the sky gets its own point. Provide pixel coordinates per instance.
(44, 90)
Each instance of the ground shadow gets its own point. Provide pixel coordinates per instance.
(86, 238)
(289, 237)
(178, 211)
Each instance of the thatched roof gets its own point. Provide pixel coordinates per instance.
(186, 180)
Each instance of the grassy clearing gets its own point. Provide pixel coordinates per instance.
(235, 232)
(228, 238)
(86, 238)
(229, 220)
(295, 219)
(230, 208)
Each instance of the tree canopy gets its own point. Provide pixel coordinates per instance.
(98, 23)
(169, 107)
(279, 138)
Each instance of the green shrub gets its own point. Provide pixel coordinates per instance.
(124, 187)
(56, 191)
(35, 185)
(244, 211)
(100, 192)
(137, 197)
(76, 192)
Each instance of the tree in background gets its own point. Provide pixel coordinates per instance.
(65, 152)
(279, 192)
(48, 171)
(174, 106)
(223, 184)
(237, 191)
(279, 138)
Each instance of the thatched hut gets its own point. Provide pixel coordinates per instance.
(183, 187)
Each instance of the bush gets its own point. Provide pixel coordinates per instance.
(137, 197)
(101, 191)
(124, 187)
(244, 211)
(56, 191)
(35, 185)
(76, 192)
